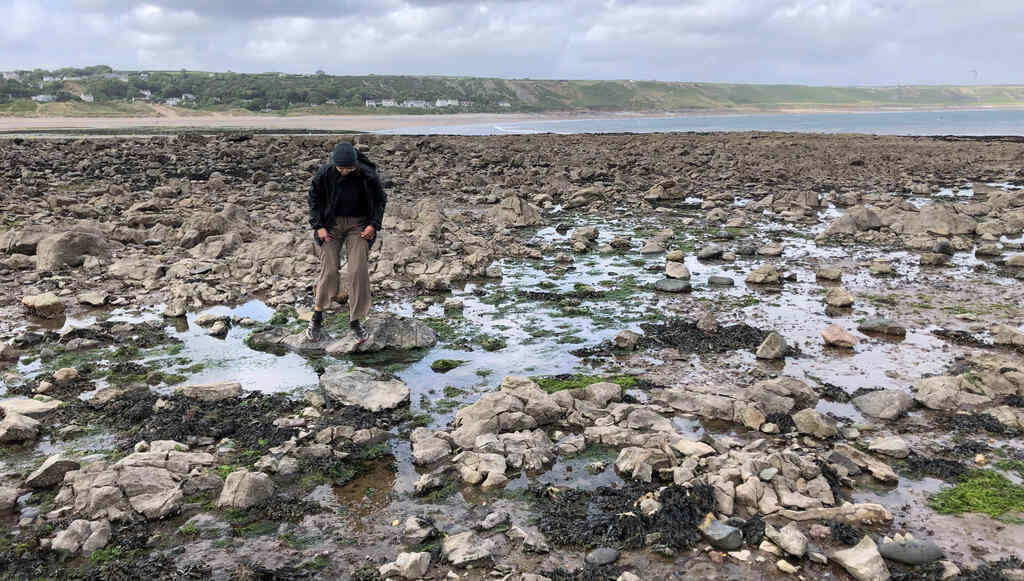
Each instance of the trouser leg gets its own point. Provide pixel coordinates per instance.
(328, 282)
(357, 272)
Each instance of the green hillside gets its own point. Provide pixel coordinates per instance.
(139, 92)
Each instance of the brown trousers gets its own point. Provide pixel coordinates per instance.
(345, 230)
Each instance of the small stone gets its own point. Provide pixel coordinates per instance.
(910, 551)
(46, 305)
(717, 280)
(764, 274)
(709, 252)
(812, 422)
(93, 299)
(767, 474)
(786, 567)
(789, 538)
(882, 326)
(51, 472)
(219, 329)
(881, 267)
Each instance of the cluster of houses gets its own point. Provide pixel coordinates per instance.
(421, 104)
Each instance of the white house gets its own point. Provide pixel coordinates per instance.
(12, 76)
(388, 103)
(371, 103)
(188, 97)
(415, 104)
(173, 101)
(87, 98)
(504, 104)
(44, 98)
(146, 94)
(446, 103)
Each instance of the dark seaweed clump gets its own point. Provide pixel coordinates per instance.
(607, 517)
(833, 392)
(685, 336)
(1014, 401)
(972, 423)
(845, 534)
(960, 338)
(992, 571)
(752, 529)
(918, 465)
(783, 421)
(970, 448)
(588, 573)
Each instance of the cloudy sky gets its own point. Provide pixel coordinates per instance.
(821, 42)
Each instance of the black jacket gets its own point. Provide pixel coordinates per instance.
(322, 206)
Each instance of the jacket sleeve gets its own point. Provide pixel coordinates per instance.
(380, 199)
(316, 199)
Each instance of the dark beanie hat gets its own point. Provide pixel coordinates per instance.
(344, 155)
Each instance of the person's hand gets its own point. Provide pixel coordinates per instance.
(368, 233)
(322, 233)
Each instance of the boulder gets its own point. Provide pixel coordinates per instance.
(773, 347)
(466, 548)
(868, 514)
(877, 468)
(243, 489)
(494, 412)
(516, 212)
(812, 422)
(885, 404)
(627, 339)
(882, 326)
(947, 392)
(863, 561)
(677, 270)
(782, 394)
(364, 387)
(789, 538)
(720, 535)
(69, 249)
(18, 428)
(406, 566)
(427, 448)
(39, 405)
(839, 297)
(910, 551)
(211, 392)
(83, 536)
(9, 499)
(764, 274)
(893, 446)
(45, 305)
(671, 285)
(1007, 335)
(51, 472)
(837, 336)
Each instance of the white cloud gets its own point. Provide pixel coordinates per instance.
(799, 41)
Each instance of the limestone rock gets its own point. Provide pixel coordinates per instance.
(466, 548)
(893, 446)
(51, 472)
(406, 566)
(427, 448)
(839, 297)
(364, 387)
(886, 404)
(720, 535)
(69, 249)
(764, 274)
(773, 347)
(18, 428)
(46, 305)
(386, 332)
(882, 326)
(516, 212)
(863, 561)
(677, 270)
(790, 539)
(812, 422)
(243, 489)
(627, 339)
(837, 336)
(211, 392)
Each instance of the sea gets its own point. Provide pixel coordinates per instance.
(980, 122)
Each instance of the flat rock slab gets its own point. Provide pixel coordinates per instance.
(386, 332)
(363, 387)
(30, 407)
(883, 327)
(211, 391)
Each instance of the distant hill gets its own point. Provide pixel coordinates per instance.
(99, 90)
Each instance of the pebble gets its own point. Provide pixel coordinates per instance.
(602, 556)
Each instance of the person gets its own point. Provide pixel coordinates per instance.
(346, 207)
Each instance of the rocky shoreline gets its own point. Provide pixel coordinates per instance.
(719, 356)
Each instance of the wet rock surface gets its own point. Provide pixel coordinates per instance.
(641, 366)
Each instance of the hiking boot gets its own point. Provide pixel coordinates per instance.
(314, 331)
(358, 331)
